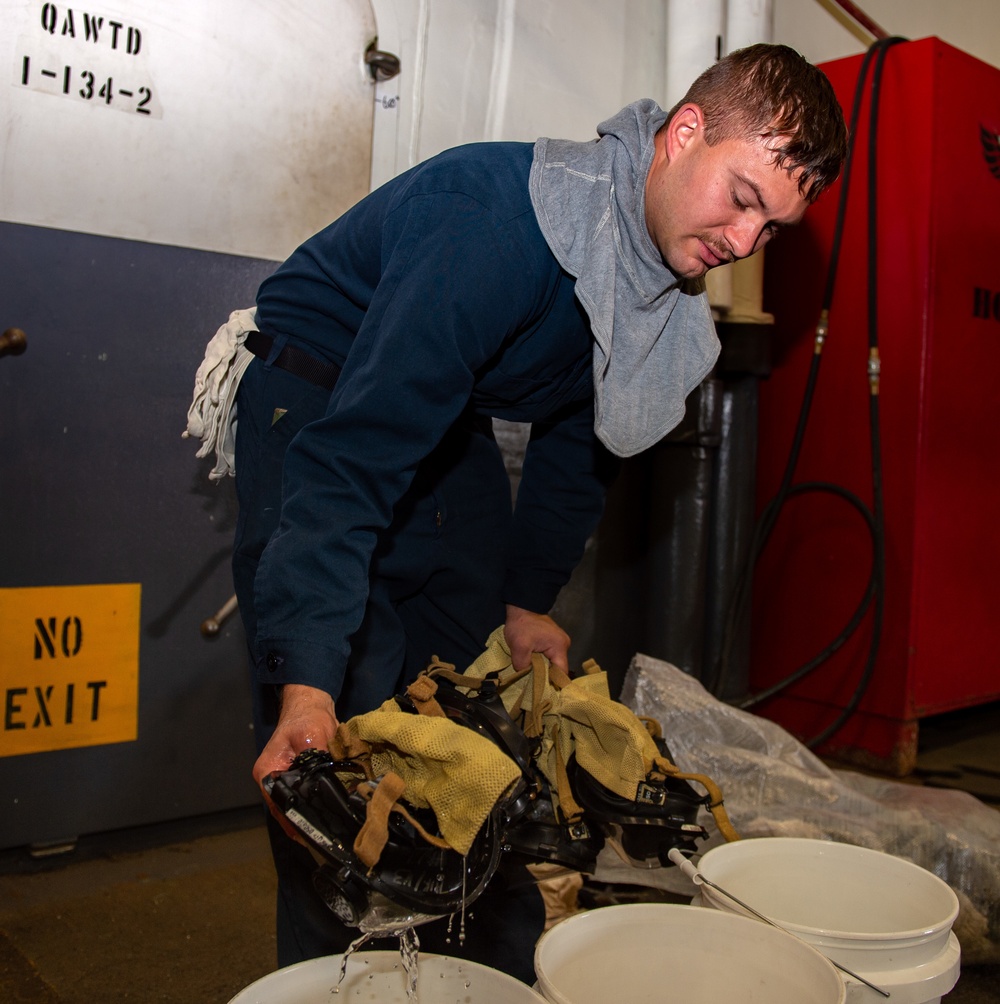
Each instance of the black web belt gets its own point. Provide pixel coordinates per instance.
(294, 360)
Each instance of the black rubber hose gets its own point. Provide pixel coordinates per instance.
(768, 517)
(874, 519)
(874, 376)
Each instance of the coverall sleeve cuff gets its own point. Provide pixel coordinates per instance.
(287, 661)
(531, 590)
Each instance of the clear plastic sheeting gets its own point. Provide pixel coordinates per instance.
(775, 787)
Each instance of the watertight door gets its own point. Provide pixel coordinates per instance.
(157, 161)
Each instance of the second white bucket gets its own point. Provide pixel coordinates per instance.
(672, 954)
(379, 976)
(882, 917)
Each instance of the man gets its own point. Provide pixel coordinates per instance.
(557, 285)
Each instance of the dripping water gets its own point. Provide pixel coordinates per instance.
(351, 949)
(451, 917)
(461, 928)
(409, 945)
(409, 951)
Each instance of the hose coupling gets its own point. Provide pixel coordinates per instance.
(822, 330)
(874, 370)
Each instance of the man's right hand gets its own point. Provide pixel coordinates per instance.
(307, 720)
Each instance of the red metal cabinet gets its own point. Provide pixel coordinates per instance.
(938, 257)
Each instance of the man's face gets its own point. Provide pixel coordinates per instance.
(709, 205)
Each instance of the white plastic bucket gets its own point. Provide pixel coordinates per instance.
(882, 917)
(674, 954)
(379, 976)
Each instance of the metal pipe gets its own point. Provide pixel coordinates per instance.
(853, 10)
(748, 22)
(695, 30)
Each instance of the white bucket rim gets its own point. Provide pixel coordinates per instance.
(915, 936)
(650, 912)
(936, 976)
(270, 981)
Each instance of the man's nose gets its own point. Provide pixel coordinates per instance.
(746, 236)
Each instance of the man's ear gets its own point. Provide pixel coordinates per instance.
(687, 124)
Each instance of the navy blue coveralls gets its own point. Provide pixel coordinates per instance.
(375, 526)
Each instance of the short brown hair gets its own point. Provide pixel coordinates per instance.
(772, 92)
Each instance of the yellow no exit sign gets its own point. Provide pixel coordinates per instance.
(69, 667)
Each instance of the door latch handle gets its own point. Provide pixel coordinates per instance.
(211, 626)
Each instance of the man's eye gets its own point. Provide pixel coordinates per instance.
(771, 230)
(737, 201)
